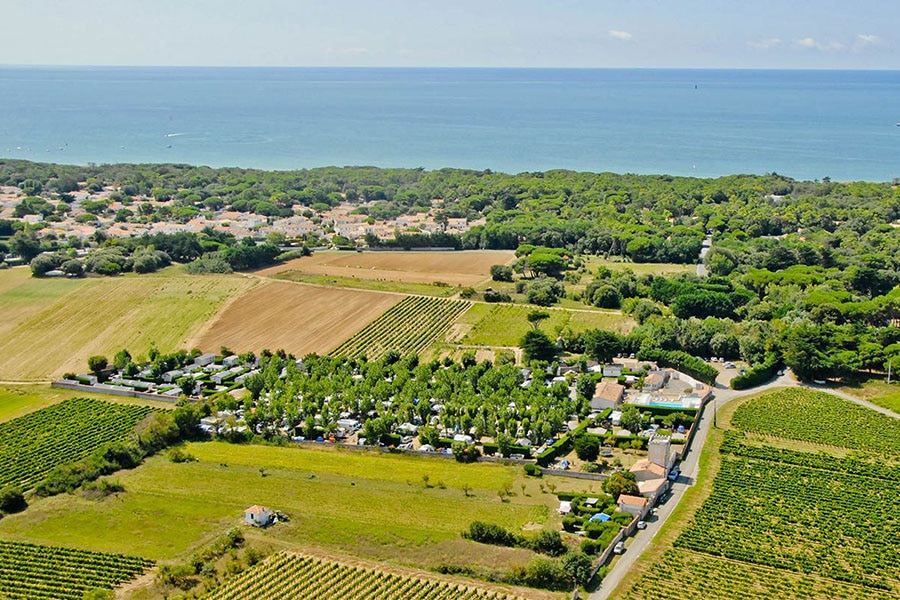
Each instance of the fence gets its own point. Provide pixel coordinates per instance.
(123, 392)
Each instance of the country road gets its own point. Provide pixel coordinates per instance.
(636, 544)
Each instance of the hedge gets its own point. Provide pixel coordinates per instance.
(757, 375)
(561, 446)
(493, 448)
(681, 361)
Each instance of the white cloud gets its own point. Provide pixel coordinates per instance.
(765, 44)
(809, 43)
(619, 34)
(867, 39)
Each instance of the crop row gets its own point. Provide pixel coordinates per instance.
(69, 431)
(296, 577)
(737, 444)
(407, 327)
(31, 571)
(821, 418)
(685, 575)
(837, 525)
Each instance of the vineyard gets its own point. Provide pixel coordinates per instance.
(28, 571)
(685, 575)
(819, 418)
(297, 577)
(65, 432)
(781, 523)
(408, 327)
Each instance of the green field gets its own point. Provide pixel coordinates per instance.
(28, 571)
(791, 516)
(66, 432)
(52, 326)
(506, 324)
(368, 504)
(296, 577)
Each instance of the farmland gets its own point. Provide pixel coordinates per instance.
(37, 442)
(368, 504)
(407, 327)
(53, 326)
(505, 324)
(297, 318)
(466, 268)
(297, 577)
(802, 507)
(28, 571)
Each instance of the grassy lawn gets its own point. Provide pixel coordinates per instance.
(52, 326)
(877, 391)
(594, 262)
(505, 324)
(18, 400)
(367, 504)
(379, 285)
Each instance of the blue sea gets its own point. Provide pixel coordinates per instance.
(805, 124)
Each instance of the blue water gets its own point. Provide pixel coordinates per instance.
(806, 124)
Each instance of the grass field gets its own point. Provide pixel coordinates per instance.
(466, 268)
(52, 326)
(592, 263)
(366, 504)
(877, 391)
(297, 318)
(505, 324)
(18, 400)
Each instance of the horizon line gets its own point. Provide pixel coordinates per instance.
(456, 67)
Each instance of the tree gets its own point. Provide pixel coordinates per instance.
(579, 567)
(121, 359)
(587, 447)
(631, 418)
(97, 364)
(25, 245)
(537, 345)
(536, 316)
(12, 500)
(620, 482)
(255, 384)
(601, 345)
(501, 273)
(73, 267)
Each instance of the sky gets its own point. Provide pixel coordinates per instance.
(770, 34)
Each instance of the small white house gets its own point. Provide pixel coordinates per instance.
(258, 516)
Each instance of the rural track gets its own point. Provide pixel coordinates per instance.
(689, 467)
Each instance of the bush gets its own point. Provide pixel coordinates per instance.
(533, 470)
(12, 500)
(681, 361)
(467, 292)
(549, 543)
(758, 375)
(179, 455)
(542, 573)
(495, 296)
(587, 447)
(495, 535)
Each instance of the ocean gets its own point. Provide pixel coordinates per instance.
(805, 124)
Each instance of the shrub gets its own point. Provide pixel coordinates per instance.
(549, 543)
(587, 447)
(533, 470)
(487, 533)
(12, 500)
(495, 296)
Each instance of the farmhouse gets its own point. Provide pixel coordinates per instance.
(606, 395)
(258, 516)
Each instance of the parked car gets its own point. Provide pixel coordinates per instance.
(642, 524)
(619, 548)
(673, 474)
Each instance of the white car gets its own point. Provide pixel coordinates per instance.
(642, 524)
(619, 548)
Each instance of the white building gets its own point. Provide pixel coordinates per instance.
(258, 516)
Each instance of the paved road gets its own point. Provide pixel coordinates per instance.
(636, 544)
(701, 267)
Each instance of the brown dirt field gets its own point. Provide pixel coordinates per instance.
(465, 268)
(295, 317)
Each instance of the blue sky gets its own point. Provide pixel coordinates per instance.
(782, 34)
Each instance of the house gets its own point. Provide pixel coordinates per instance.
(606, 395)
(651, 479)
(258, 516)
(612, 370)
(633, 505)
(655, 380)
